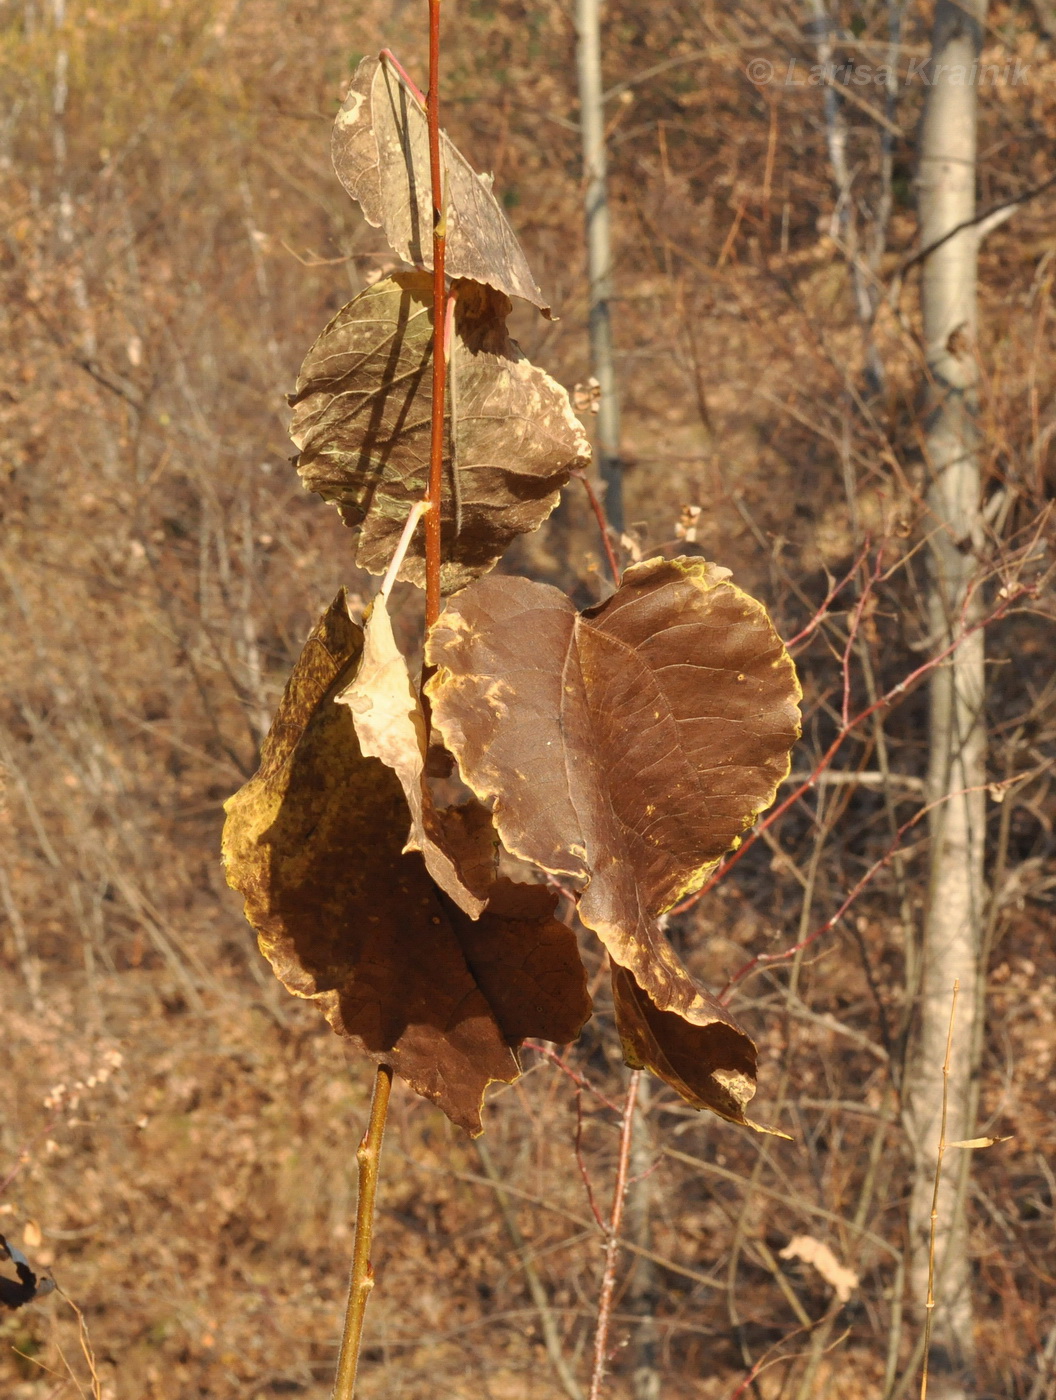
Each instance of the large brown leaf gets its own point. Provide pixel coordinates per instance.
(627, 749)
(380, 150)
(314, 844)
(361, 418)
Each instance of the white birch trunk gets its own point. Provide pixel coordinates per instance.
(957, 758)
(599, 252)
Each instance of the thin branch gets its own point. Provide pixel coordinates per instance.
(983, 223)
(889, 697)
(591, 1201)
(603, 525)
(362, 1278)
(822, 612)
(580, 1080)
(766, 959)
(612, 1248)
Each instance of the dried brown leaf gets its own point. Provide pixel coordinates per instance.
(693, 1044)
(314, 843)
(390, 725)
(361, 418)
(380, 150)
(626, 749)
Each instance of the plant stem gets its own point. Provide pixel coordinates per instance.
(436, 452)
(603, 526)
(612, 1247)
(362, 1278)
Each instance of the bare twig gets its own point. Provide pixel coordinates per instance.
(612, 1247)
(889, 697)
(362, 1278)
(86, 1348)
(603, 526)
(580, 1080)
(766, 959)
(588, 1185)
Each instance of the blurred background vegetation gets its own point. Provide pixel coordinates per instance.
(173, 239)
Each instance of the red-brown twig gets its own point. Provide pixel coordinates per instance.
(612, 1246)
(889, 697)
(580, 1080)
(603, 526)
(436, 447)
(767, 959)
(387, 56)
(581, 1164)
(822, 612)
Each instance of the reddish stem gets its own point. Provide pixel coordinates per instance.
(580, 1080)
(387, 56)
(603, 526)
(852, 637)
(766, 959)
(582, 1165)
(837, 588)
(612, 1247)
(888, 697)
(436, 448)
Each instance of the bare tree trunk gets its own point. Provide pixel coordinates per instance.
(599, 252)
(957, 760)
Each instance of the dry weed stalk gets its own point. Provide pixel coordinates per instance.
(361, 1281)
(612, 1240)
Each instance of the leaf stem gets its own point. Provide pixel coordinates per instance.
(387, 56)
(436, 450)
(362, 1279)
(419, 509)
(612, 1247)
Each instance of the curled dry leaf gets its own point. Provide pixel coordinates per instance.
(361, 419)
(459, 848)
(380, 150)
(693, 1044)
(314, 843)
(841, 1280)
(626, 749)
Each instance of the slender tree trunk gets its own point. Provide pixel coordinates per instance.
(599, 252)
(957, 760)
